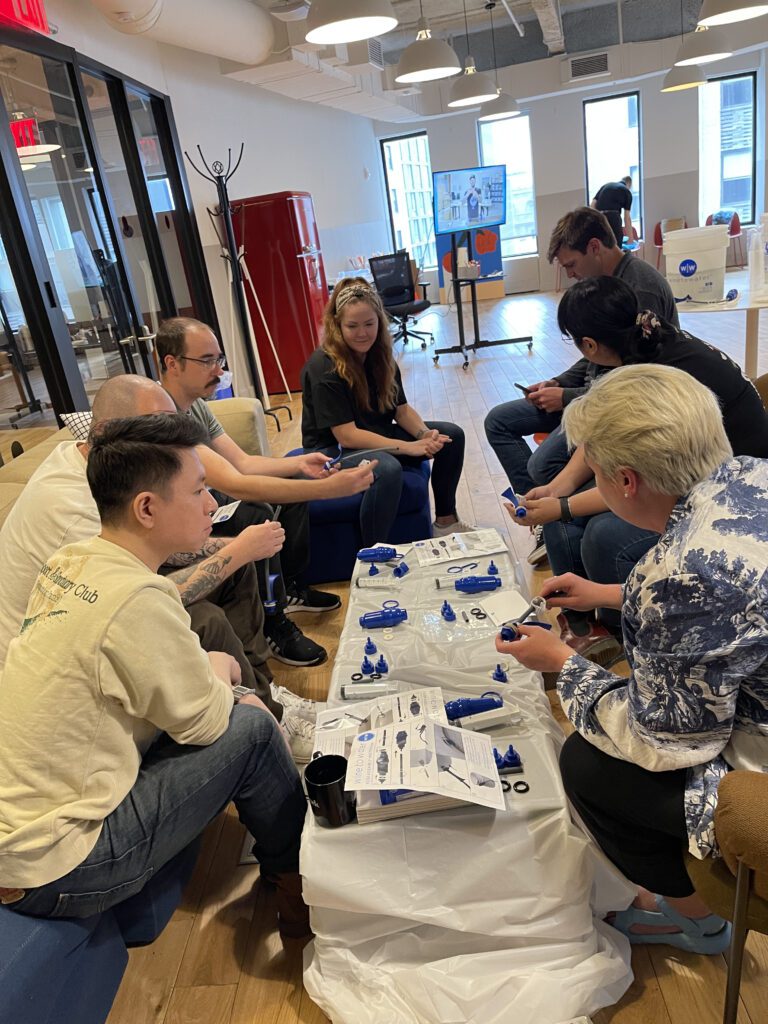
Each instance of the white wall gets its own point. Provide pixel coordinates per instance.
(288, 144)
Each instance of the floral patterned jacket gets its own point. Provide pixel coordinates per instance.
(695, 622)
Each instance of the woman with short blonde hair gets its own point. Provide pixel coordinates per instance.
(650, 749)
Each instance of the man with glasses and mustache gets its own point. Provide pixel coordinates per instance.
(191, 363)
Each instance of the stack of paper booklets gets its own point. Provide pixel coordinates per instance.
(404, 758)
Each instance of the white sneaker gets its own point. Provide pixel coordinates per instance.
(457, 527)
(300, 734)
(302, 706)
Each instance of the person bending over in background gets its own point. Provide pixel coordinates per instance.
(584, 245)
(191, 365)
(92, 801)
(644, 765)
(353, 396)
(582, 535)
(614, 199)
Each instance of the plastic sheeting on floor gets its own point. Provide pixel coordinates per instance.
(467, 915)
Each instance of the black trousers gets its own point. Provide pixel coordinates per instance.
(636, 816)
(616, 220)
(289, 563)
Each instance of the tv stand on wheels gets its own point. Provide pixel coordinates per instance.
(478, 342)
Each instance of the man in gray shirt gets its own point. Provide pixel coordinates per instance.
(584, 245)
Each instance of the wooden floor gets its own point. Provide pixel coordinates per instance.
(220, 960)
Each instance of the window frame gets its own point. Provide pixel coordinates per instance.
(732, 77)
(535, 235)
(639, 191)
(387, 166)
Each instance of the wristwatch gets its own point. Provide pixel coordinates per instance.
(242, 691)
(566, 516)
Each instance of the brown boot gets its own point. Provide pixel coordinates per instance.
(292, 911)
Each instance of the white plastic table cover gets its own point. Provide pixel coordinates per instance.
(465, 915)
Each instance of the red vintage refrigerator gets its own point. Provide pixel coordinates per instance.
(282, 252)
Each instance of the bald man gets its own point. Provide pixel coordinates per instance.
(218, 585)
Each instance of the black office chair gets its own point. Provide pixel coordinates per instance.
(394, 283)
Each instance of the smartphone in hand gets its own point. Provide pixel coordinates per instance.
(526, 391)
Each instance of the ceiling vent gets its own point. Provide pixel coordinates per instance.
(594, 65)
(362, 56)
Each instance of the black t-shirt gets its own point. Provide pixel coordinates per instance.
(614, 195)
(744, 415)
(329, 402)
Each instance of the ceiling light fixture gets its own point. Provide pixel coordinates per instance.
(503, 106)
(727, 12)
(689, 77)
(703, 47)
(474, 86)
(427, 59)
(348, 21)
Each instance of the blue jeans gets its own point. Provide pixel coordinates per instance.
(505, 427)
(179, 790)
(602, 548)
(378, 508)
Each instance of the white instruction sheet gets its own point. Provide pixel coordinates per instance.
(458, 545)
(337, 727)
(429, 757)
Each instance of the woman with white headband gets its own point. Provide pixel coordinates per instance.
(353, 396)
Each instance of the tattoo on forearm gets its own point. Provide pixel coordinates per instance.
(184, 558)
(199, 580)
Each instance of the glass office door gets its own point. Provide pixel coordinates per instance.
(23, 393)
(69, 212)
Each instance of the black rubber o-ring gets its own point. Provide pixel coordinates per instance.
(356, 677)
(374, 675)
(520, 786)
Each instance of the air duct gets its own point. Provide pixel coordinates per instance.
(235, 30)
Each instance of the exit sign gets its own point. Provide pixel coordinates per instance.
(29, 14)
(25, 132)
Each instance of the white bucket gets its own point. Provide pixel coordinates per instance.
(695, 259)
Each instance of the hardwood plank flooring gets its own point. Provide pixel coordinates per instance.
(221, 960)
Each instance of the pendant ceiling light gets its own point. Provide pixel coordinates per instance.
(473, 86)
(347, 21)
(703, 47)
(503, 106)
(427, 59)
(689, 77)
(726, 12)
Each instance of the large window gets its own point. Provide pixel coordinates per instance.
(727, 147)
(612, 147)
(408, 174)
(509, 142)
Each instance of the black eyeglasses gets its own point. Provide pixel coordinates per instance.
(209, 361)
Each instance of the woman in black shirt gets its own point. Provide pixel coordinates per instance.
(353, 396)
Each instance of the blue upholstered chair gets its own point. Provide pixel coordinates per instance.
(67, 970)
(335, 525)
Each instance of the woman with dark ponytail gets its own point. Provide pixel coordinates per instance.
(602, 317)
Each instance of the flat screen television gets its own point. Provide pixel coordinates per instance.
(473, 197)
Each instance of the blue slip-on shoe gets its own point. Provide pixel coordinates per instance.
(708, 935)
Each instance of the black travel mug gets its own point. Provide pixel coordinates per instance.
(324, 779)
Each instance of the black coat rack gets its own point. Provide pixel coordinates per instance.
(220, 176)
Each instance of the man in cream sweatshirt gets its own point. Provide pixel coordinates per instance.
(120, 739)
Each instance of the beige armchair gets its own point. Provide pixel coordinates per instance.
(735, 886)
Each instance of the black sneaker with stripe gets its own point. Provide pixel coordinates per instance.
(306, 599)
(288, 644)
